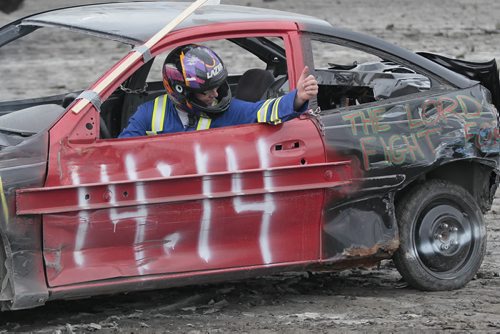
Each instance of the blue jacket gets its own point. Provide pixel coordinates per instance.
(147, 120)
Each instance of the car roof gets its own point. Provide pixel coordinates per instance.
(136, 22)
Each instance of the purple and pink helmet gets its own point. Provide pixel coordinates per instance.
(193, 69)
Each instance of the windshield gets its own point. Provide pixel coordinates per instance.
(53, 61)
(43, 71)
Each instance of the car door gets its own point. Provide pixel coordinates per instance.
(240, 197)
(184, 202)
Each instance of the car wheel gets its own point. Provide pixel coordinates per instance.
(442, 236)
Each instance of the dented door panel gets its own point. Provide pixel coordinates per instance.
(186, 202)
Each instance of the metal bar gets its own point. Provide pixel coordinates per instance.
(180, 188)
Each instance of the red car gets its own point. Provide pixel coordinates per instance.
(397, 158)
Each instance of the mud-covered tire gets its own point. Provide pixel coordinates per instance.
(442, 236)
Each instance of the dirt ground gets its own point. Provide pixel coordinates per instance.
(360, 300)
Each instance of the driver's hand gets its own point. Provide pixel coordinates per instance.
(307, 88)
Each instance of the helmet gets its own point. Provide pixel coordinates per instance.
(191, 69)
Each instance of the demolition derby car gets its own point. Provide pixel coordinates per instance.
(398, 157)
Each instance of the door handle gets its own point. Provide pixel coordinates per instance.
(294, 144)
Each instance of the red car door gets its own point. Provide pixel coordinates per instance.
(233, 197)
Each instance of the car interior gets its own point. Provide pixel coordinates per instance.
(340, 85)
(252, 85)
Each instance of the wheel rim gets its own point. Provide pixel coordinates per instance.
(445, 239)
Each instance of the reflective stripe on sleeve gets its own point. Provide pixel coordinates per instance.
(262, 112)
(204, 123)
(274, 115)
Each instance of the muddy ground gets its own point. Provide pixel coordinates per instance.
(371, 300)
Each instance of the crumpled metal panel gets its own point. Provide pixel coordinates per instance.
(23, 285)
(360, 228)
(401, 141)
(484, 72)
(385, 79)
(416, 135)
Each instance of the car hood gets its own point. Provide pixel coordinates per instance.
(27, 122)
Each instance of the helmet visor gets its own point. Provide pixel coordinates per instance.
(211, 104)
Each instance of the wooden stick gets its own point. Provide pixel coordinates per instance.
(135, 56)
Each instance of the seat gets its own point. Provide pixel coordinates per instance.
(254, 85)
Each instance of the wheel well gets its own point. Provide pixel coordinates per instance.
(481, 180)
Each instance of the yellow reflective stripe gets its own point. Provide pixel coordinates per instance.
(158, 117)
(274, 115)
(164, 111)
(153, 119)
(204, 123)
(262, 112)
(5, 207)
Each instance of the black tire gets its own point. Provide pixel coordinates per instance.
(442, 236)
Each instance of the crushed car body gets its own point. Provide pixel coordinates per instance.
(398, 158)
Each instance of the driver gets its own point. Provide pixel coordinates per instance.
(198, 98)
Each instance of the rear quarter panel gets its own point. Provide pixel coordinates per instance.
(392, 144)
